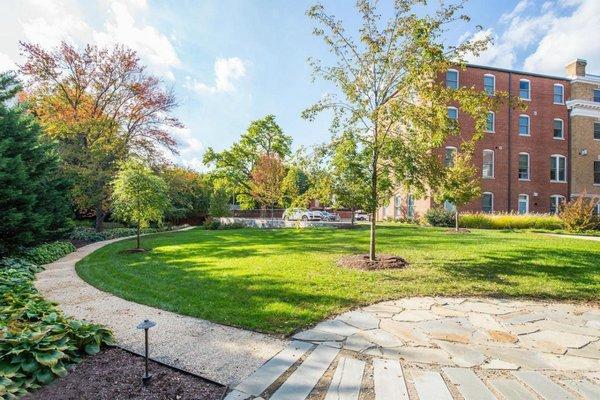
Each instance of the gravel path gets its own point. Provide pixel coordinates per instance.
(223, 354)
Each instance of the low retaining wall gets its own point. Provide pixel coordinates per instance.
(279, 223)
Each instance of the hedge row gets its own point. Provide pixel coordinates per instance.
(441, 217)
(87, 234)
(37, 342)
(48, 252)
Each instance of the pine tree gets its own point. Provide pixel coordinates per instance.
(33, 197)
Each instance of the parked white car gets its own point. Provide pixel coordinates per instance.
(300, 214)
(361, 216)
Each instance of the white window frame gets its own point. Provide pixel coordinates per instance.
(410, 206)
(523, 153)
(563, 93)
(492, 196)
(493, 162)
(556, 204)
(454, 150)
(457, 78)
(453, 108)
(494, 79)
(493, 122)
(397, 206)
(528, 89)
(528, 125)
(526, 196)
(562, 129)
(556, 157)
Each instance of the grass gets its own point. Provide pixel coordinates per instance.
(279, 281)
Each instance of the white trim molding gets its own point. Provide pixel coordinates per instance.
(584, 108)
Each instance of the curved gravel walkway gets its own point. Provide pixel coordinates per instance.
(223, 354)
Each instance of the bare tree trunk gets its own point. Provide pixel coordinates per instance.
(138, 235)
(456, 219)
(100, 215)
(373, 203)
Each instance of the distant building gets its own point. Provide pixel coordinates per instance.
(529, 161)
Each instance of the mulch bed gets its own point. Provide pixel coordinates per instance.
(115, 374)
(383, 261)
(459, 231)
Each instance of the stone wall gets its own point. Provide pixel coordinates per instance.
(278, 223)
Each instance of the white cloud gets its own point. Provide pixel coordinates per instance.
(191, 149)
(228, 71)
(499, 54)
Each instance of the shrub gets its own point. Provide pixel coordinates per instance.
(212, 224)
(510, 221)
(37, 342)
(48, 252)
(439, 217)
(90, 234)
(578, 215)
(233, 225)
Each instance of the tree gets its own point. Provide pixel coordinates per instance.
(294, 185)
(34, 204)
(392, 94)
(189, 193)
(219, 203)
(234, 166)
(266, 180)
(460, 183)
(102, 107)
(139, 196)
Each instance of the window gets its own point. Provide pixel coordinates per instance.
(452, 79)
(596, 172)
(449, 156)
(491, 122)
(453, 113)
(524, 125)
(523, 166)
(523, 204)
(559, 94)
(558, 129)
(397, 206)
(558, 168)
(556, 202)
(410, 207)
(487, 202)
(597, 130)
(597, 95)
(488, 164)
(524, 89)
(489, 84)
(449, 206)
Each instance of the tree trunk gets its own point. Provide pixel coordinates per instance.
(352, 218)
(272, 209)
(373, 202)
(456, 219)
(138, 235)
(100, 215)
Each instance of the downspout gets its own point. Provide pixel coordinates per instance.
(509, 143)
(570, 155)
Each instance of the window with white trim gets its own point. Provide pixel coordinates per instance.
(410, 206)
(558, 168)
(487, 202)
(453, 113)
(556, 203)
(452, 79)
(524, 128)
(523, 166)
(397, 206)
(559, 93)
(596, 97)
(490, 122)
(488, 164)
(559, 132)
(596, 172)
(524, 89)
(449, 156)
(489, 84)
(523, 204)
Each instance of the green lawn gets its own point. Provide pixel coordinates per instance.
(279, 281)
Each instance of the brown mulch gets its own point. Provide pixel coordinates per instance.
(116, 374)
(383, 261)
(459, 231)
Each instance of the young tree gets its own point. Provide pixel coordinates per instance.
(34, 204)
(234, 166)
(139, 196)
(267, 178)
(294, 185)
(393, 96)
(219, 203)
(460, 183)
(102, 107)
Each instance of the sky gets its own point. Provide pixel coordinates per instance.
(234, 61)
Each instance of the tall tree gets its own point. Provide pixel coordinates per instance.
(267, 179)
(189, 193)
(139, 196)
(392, 93)
(34, 203)
(294, 184)
(234, 166)
(102, 107)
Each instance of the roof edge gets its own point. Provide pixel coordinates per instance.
(561, 78)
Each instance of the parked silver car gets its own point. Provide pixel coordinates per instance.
(301, 214)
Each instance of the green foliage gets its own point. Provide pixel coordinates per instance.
(48, 252)
(219, 203)
(510, 221)
(212, 224)
(189, 193)
(91, 235)
(439, 217)
(578, 215)
(294, 185)
(33, 198)
(37, 342)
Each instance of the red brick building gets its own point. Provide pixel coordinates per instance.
(523, 158)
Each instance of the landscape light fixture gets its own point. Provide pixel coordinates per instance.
(146, 325)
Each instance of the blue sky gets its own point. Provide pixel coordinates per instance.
(233, 61)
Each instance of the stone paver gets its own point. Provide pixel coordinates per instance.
(360, 319)
(224, 354)
(543, 385)
(389, 380)
(469, 385)
(585, 388)
(511, 389)
(347, 380)
(431, 386)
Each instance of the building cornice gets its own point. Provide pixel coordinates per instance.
(589, 79)
(584, 108)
